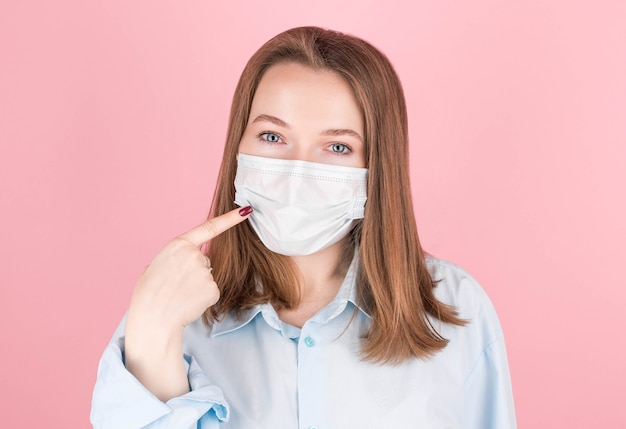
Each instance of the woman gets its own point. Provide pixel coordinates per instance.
(322, 310)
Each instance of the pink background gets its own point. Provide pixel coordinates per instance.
(112, 119)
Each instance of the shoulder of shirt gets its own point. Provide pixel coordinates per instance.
(457, 287)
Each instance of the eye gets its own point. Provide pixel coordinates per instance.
(339, 148)
(270, 137)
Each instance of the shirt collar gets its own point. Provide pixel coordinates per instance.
(347, 294)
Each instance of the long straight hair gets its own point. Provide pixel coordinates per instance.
(394, 285)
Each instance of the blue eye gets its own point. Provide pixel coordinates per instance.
(270, 137)
(339, 148)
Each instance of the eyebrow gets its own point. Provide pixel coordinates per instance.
(273, 119)
(343, 132)
(331, 132)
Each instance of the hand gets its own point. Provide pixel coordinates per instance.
(177, 286)
(172, 292)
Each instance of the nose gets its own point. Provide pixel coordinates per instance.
(303, 152)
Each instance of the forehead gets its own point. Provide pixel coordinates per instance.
(292, 89)
(291, 75)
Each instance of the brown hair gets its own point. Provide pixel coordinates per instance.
(394, 285)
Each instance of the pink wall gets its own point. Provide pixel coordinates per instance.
(112, 118)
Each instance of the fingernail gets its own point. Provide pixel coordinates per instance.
(245, 211)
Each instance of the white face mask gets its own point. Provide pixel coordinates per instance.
(300, 207)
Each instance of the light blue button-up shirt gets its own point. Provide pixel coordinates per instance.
(259, 372)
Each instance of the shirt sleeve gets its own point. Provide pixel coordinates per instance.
(120, 401)
(487, 395)
(488, 392)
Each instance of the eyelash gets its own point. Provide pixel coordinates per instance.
(347, 152)
(262, 137)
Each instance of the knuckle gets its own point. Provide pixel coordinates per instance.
(210, 228)
(215, 295)
(202, 259)
(176, 244)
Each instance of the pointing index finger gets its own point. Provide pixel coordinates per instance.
(214, 227)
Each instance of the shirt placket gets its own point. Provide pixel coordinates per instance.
(310, 377)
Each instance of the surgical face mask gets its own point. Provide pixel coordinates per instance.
(300, 207)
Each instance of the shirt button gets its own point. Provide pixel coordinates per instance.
(310, 342)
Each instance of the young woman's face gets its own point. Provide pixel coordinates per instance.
(300, 113)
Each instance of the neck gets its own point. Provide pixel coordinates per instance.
(321, 274)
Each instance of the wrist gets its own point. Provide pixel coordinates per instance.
(155, 358)
(152, 337)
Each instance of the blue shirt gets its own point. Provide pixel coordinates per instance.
(259, 372)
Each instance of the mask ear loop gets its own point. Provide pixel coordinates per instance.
(358, 211)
